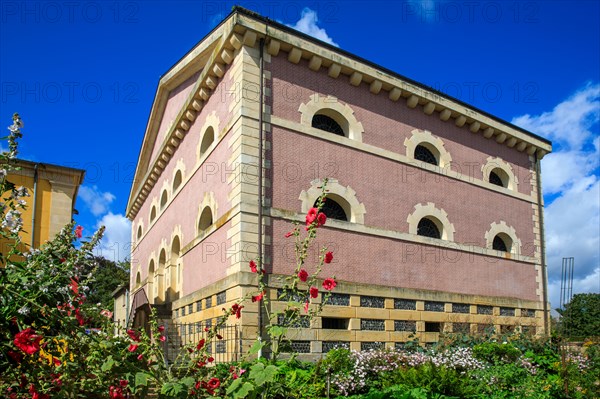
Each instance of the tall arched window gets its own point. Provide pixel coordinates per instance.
(206, 219)
(163, 199)
(153, 214)
(429, 228)
(425, 154)
(328, 124)
(152, 287)
(139, 232)
(177, 180)
(207, 140)
(160, 276)
(499, 177)
(502, 242)
(174, 269)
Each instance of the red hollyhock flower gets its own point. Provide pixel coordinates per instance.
(328, 257)
(74, 286)
(306, 307)
(303, 275)
(134, 335)
(123, 383)
(236, 309)
(161, 328)
(289, 234)
(214, 383)
(79, 317)
(210, 359)
(162, 338)
(200, 344)
(258, 297)
(311, 216)
(329, 284)
(314, 292)
(78, 231)
(115, 393)
(321, 219)
(253, 267)
(219, 336)
(140, 356)
(132, 348)
(28, 341)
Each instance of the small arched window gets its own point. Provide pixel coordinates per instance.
(163, 199)
(138, 280)
(153, 214)
(206, 219)
(139, 232)
(502, 242)
(428, 228)
(328, 124)
(333, 210)
(499, 177)
(177, 180)
(207, 140)
(425, 154)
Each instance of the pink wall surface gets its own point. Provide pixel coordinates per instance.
(387, 123)
(184, 208)
(381, 261)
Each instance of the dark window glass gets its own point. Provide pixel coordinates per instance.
(495, 179)
(499, 244)
(422, 153)
(427, 228)
(334, 323)
(327, 124)
(333, 210)
(433, 327)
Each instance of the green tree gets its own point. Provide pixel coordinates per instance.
(108, 276)
(581, 316)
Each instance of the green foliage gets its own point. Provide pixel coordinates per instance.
(581, 316)
(496, 353)
(108, 276)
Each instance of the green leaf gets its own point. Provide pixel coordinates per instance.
(108, 364)
(234, 385)
(172, 389)
(141, 379)
(276, 331)
(243, 391)
(261, 374)
(188, 381)
(256, 346)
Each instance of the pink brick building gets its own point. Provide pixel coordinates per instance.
(435, 210)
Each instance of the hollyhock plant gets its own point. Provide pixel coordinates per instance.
(28, 341)
(79, 231)
(303, 275)
(253, 267)
(328, 257)
(314, 292)
(329, 284)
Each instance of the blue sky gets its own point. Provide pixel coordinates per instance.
(83, 75)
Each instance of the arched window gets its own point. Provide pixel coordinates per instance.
(207, 140)
(428, 228)
(428, 155)
(138, 280)
(502, 242)
(163, 199)
(160, 276)
(499, 177)
(333, 210)
(153, 214)
(206, 219)
(177, 180)
(152, 288)
(328, 124)
(173, 292)
(139, 232)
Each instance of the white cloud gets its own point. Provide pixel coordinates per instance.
(116, 243)
(308, 24)
(570, 175)
(98, 202)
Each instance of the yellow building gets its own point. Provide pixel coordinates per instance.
(52, 192)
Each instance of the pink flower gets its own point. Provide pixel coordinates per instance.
(289, 234)
(106, 313)
(328, 257)
(311, 216)
(161, 328)
(162, 338)
(78, 231)
(306, 307)
(314, 292)
(140, 356)
(321, 219)
(303, 275)
(132, 348)
(214, 383)
(28, 341)
(329, 284)
(123, 383)
(253, 267)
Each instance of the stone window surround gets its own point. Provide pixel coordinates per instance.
(212, 120)
(431, 142)
(207, 201)
(498, 163)
(356, 211)
(503, 228)
(319, 103)
(438, 216)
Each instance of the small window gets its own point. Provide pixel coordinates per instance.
(328, 124)
(205, 219)
(333, 323)
(433, 327)
(139, 232)
(177, 180)
(499, 177)
(502, 242)
(424, 154)
(207, 140)
(428, 228)
(333, 210)
(153, 214)
(163, 199)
